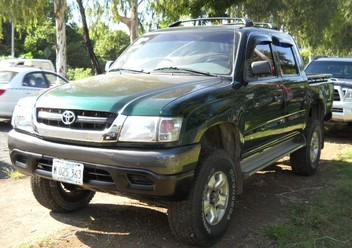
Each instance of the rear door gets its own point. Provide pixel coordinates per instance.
(293, 85)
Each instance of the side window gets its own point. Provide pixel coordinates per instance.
(287, 60)
(36, 80)
(54, 80)
(261, 53)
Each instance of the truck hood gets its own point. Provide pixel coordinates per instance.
(343, 82)
(128, 94)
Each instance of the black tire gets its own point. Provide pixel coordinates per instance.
(203, 217)
(305, 161)
(60, 197)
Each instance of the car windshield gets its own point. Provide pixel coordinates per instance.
(6, 76)
(203, 51)
(338, 69)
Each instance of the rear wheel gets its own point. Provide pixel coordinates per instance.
(305, 161)
(203, 217)
(60, 197)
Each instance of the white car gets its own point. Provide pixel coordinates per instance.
(44, 64)
(16, 82)
(341, 71)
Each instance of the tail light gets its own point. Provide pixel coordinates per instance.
(2, 92)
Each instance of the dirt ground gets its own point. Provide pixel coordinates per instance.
(113, 221)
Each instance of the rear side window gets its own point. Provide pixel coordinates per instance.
(6, 76)
(36, 80)
(287, 60)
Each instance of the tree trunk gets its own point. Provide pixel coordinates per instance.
(93, 58)
(61, 57)
(130, 22)
(134, 21)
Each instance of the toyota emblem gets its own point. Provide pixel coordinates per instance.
(68, 117)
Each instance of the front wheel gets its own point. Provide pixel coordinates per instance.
(305, 161)
(60, 197)
(203, 217)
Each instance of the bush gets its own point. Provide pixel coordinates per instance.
(78, 73)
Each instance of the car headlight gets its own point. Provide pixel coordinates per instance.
(151, 129)
(22, 114)
(348, 95)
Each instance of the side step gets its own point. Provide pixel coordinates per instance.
(258, 161)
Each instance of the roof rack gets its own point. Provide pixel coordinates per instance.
(222, 20)
(265, 25)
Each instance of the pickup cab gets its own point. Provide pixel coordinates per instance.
(182, 118)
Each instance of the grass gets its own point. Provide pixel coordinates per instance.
(14, 174)
(326, 220)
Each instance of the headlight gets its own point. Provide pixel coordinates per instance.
(348, 95)
(22, 114)
(150, 129)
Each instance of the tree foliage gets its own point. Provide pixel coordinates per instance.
(40, 39)
(320, 26)
(111, 44)
(24, 14)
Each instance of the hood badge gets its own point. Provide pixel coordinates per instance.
(68, 117)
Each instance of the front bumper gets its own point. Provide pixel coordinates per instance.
(342, 111)
(159, 173)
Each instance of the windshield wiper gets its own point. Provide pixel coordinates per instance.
(173, 68)
(131, 70)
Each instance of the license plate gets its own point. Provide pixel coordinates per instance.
(67, 171)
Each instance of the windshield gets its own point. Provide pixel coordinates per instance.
(338, 69)
(209, 52)
(6, 76)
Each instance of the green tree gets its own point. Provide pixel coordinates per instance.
(24, 14)
(43, 38)
(40, 39)
(111, 44)
(321, 26)
(77, 55)
(5, 42)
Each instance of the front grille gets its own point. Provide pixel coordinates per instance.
(338, 110)
(85, 120)
(336, 95)
(97, 174)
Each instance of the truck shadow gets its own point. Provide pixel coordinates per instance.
(5, 125)
(108, 225)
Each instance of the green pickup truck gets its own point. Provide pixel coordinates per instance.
(181, 118)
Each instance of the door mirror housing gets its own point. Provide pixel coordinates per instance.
(108, 64)
(261, 67)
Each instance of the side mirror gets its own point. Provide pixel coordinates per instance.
(108, 64)
(261, 67)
